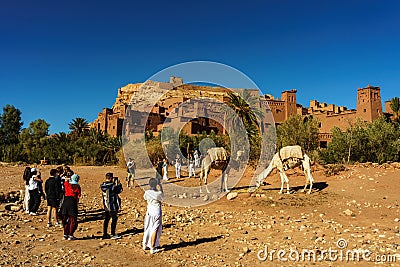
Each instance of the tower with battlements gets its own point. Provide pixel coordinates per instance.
(369, 104)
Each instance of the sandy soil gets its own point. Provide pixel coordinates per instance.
(360, 206)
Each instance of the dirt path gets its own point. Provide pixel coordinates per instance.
(360, 206)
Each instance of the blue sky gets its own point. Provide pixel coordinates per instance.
(65, 59)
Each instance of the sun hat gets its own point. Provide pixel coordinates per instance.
(74, 179)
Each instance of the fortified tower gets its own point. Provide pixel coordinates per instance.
(289, 98)
(369, 104)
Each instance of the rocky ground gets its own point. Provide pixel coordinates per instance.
(354, 210)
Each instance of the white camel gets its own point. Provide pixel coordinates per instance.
(216, 158)
(287, 158)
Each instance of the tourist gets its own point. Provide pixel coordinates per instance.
(110, 188)
(165, 170)
(131, 169)
(197, 158)
(153, 220)
(26, 176)
(178, 165)
(34, 195)
(192, 170)
(159, 169)
(69, 208)
(53, 193)
(40, 185)
(60, 180)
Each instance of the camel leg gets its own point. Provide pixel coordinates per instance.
(307, 181)
(307, 171)
(284, 180)
(226, 182)
(311, 180)
(222, 183)
(201, 179)
(205, 180)
(306, 175)
(287, 183)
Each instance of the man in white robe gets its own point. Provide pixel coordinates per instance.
(196, 159)
(178, 165)
(165, 170)
(153, 220)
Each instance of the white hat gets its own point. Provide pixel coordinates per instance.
(33, 170)
(74, 179)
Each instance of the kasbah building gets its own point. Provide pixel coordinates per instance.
(111, 120)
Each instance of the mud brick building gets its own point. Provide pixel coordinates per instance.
(169, 111)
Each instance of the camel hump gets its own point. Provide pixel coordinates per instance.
(217, 154)
(290, 152)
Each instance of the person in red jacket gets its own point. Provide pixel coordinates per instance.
(69, 208)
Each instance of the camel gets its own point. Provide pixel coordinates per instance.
(288, 157)
(216, 158)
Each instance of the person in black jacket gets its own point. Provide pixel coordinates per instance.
(53, 192)
(110, 188)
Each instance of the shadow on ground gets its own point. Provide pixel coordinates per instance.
(183, 244)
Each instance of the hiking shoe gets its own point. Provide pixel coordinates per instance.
(105, 236)
(49, 224)
(154, 250)
(71, 237)
(116, 237)
(33, 213)
(65, 237)
(57, 224)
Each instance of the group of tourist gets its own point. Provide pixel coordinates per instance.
(162, 166)
(62, 192)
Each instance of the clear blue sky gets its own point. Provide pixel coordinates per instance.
(65, 59)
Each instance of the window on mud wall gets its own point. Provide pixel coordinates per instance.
(365, 110)
(323, 144)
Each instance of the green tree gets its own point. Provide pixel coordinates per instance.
(32, 139)
(111, 146)
(383, 141)
(78, 126)
(395, 106)
(337, 149)
(246, 109)
(297, 130)
(244, 106)
(378, 141)
(10, 125)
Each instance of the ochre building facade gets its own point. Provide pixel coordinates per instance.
(168, 109)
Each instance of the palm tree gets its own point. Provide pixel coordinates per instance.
(78, 125)
(111, 145)
(395, 106)
(243, 107)
(97, 136)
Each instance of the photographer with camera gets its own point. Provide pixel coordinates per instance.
(110, 188)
